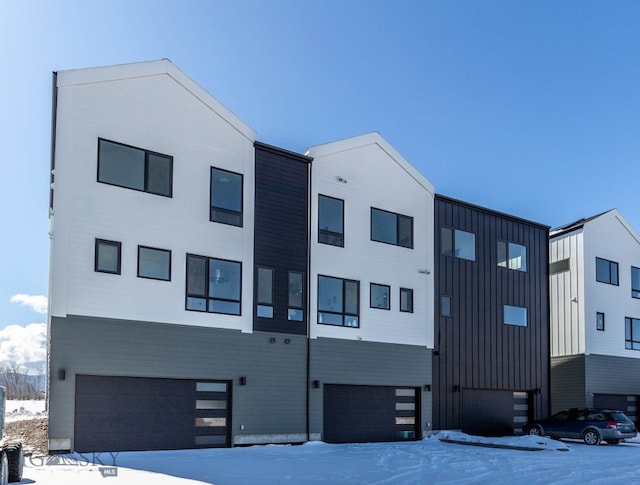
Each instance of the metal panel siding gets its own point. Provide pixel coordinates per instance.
(281, 229)
(275, 372)
(567, 382)
(473, 348)
(339, 361)
(606, 374)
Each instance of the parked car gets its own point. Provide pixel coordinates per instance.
(592, 425)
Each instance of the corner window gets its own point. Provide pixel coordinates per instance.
(380, 296)
(600, 321)
(406, 300)
(107, 256)
(154, 263)
(606, 271)
(296, 297)
(226, 197)
(330, 221)
(445, 306)
(391, 228)
(632, 333)
(338, 301)
(515, 315)
(134, 168)
(512, 256)
(635, 282)
(264, 293)
(459, 244)
(213, 285)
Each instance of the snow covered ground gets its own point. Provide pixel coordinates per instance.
(425, 462)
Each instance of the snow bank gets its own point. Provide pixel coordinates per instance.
(19, 410)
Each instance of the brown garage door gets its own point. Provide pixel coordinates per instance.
(135, 413)
(361, 414)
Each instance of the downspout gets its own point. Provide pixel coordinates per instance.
(307, 302)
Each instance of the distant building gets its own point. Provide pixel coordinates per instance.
(595, 314)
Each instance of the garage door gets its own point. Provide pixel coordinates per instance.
(627, 404)
(134, 413)
(494, 413)
(361, 414)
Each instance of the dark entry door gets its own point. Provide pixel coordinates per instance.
(135, 413)
(360, 414)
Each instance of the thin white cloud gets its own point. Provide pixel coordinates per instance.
(38, 303)
(24, 347)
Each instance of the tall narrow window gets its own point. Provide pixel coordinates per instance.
(134, 168)
(406, 300)
(445, 306)
(512, 256)
(296, 297)
(380, 296)
(459, 244)
(213, 285)
(107, 256)
(635, 282)
(606, 271)
(330, 221)
(264, 307)
(391, 228)
(600, 321)
(632, 333)
(154, 263)
(226, 197)
(338, 301)
(515, 315)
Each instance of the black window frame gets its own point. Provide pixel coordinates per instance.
(635, 291)
(409, 292)
(290, 306)
(258, 302)
(344, 314)
(107, 242)
(225, 210)
(608, 280)
(205, 296)
(399, 219)
(505, 256)
(450, 249)
(631, 342)
(330, 237)
(600, 321)
(147, 155)
(388, 289)
(154, 249)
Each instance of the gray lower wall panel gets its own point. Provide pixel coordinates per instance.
(567, 382)
(353, 362)
(273, 402)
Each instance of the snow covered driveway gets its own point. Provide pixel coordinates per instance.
(424, 462)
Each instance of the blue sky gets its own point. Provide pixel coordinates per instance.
(527, 107)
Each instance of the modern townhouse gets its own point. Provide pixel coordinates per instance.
(595, 314)
(491, 349)
(208, 289)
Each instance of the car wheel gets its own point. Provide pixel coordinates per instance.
(613, 442)
(591, 437)
(535, 430)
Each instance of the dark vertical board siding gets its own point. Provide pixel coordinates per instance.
(476, 350)
(281, 228)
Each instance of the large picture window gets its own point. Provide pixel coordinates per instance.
(606, 271)
(635, 282)
(134, 168)
(512, 256)
(107, 256)
(632, 333)
(226, 197)
(330, 221)
(391, 228)
(213, 285)
(338, 301)
(457, 243)
(154, 263)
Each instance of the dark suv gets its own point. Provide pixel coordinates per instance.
(591, 425)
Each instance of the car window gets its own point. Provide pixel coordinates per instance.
(580, 416)
(595, 416)
(620, 417)
(561, 416)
